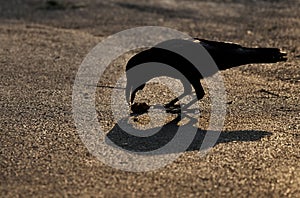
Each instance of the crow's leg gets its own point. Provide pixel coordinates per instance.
(184, 94)
(172, 102)
(189, 104)
(199, 93)
(187, 90)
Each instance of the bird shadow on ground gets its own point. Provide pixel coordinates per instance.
(120, 138)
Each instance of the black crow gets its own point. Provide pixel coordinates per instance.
(225, 55)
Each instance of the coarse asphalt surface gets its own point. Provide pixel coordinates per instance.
(42, 47)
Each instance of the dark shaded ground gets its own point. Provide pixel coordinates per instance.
(42, 46)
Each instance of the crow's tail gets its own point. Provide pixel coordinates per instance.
(227, 55)
(263, 55)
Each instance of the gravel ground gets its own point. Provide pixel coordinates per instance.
(44, 42)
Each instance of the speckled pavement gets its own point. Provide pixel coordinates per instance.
(41, 47)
